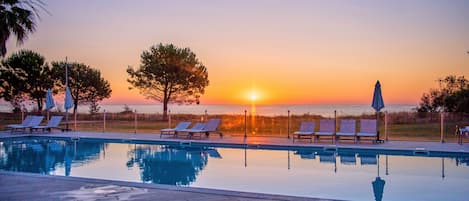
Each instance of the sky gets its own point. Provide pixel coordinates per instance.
(280, 51)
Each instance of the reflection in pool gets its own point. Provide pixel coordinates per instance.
(323, 173)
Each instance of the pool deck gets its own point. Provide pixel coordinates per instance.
(28, 186)
(18, 186)
(258, 141)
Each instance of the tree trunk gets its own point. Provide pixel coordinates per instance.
(39, 104)
(165, 109)
(75, 107)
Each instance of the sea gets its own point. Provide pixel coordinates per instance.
(326, 110)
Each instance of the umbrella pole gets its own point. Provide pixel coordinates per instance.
(66, 120)
(377, 127)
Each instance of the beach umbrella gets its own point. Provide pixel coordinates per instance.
(68, 104)
(49, 102)
(377, 103)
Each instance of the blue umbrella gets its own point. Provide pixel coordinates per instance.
(68, 104)
(377, 103)
(68, 99)
(49, 102)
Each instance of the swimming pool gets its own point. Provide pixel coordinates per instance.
(311, 172)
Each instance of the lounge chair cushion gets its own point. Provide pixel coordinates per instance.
(306, 128)
(347, 127)
(368, 128)
(303, 133)
(25, 122)
(180, 127)
(326, 127)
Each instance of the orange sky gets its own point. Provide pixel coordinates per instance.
(289, 52)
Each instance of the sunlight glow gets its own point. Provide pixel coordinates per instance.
(253, 96)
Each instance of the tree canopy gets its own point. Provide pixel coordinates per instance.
(451, 96)
(25, 75)
(85, 83)
(169, 74)
(17, 17)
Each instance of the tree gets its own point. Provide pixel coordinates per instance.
(169, 74)
(85, 83)
(452, 96)
(26, 76)
(17, 17)
(9, 89)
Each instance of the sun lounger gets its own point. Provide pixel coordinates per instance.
(347, 129)
(25, 122)
(174, 131)
(326, 128)
(368, 129)
(210, 127)
(462, 132)
(35, 121)
(54, 122)
(306, 129)
(196, 127)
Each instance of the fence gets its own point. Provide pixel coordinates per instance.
(392, 126)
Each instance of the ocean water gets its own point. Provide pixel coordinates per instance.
(326, 110)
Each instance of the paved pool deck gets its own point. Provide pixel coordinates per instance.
(26, 186)
(256, 141)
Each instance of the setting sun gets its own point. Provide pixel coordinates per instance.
(253, 96)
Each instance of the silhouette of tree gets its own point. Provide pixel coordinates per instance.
(86, 84)
(169, 74)
(451, 96)
(17, 17)
(25, 75)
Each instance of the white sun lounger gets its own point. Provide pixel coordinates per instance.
(306, 129)
(347, 129)
(210, 127)
(174, 131)
(326, 128)
(54, 122)
(196, 127)
(25, 122)
(368, 129)
(35, 121)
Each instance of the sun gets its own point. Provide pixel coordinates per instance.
(253, 96)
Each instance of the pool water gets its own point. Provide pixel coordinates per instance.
(321, 173)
